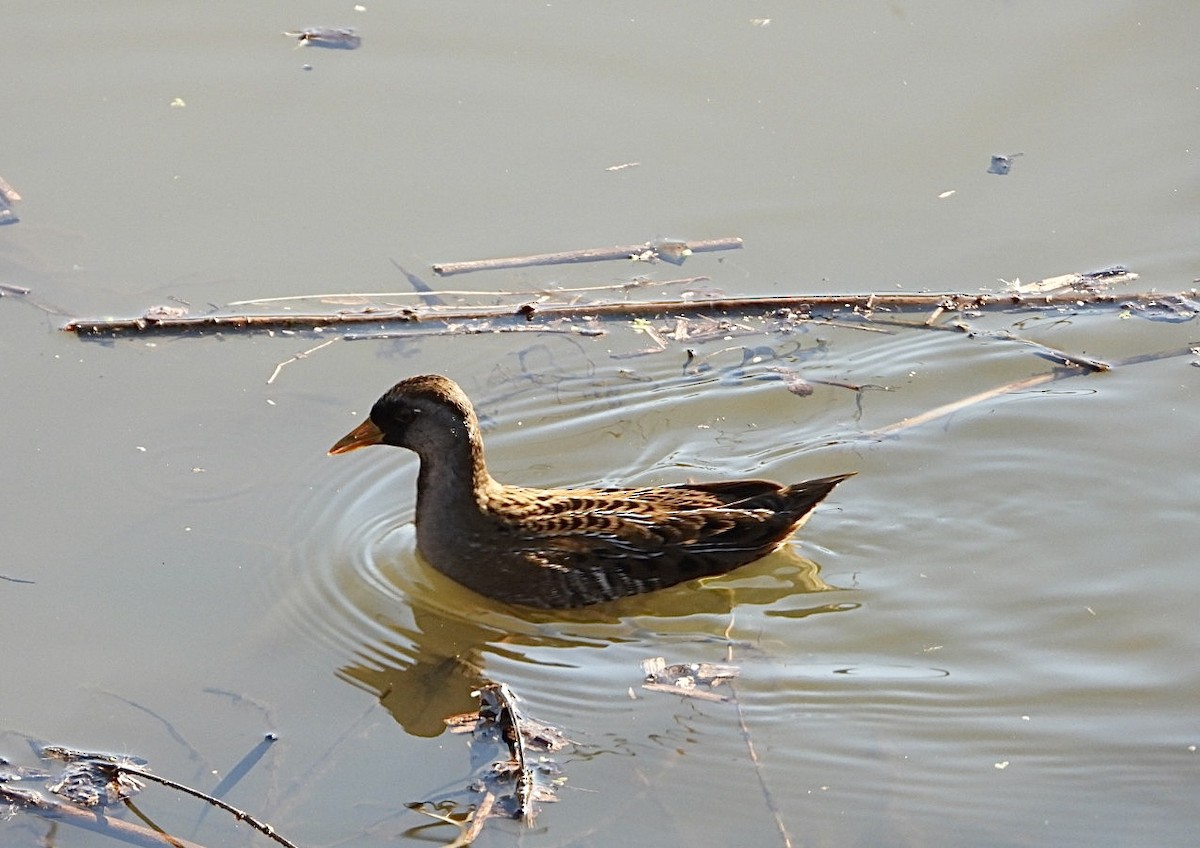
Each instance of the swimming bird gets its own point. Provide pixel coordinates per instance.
(560, 548)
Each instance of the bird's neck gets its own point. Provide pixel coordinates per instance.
(453, 482)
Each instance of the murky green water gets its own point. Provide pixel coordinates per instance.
(989, 638)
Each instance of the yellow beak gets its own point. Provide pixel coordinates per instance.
(364, 435)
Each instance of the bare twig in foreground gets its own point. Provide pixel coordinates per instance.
(240, 815)
(93, 820)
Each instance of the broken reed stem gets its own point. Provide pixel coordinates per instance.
(768, 797)
(296, 358)
(93, 820)
(863, 305)
(565, 257)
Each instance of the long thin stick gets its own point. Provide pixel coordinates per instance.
(240, 815)
(861, 304)
(594, 254)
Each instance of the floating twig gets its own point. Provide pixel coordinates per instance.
(1052, 353)
(97, 822)
(240, 815)
(779, 307)
(669, 251)
(117, 777)
(296, 358)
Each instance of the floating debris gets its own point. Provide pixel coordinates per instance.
(160, 312)
(517, 776)
(1001, 164)
(794, 383)
(693, 680)
(8, 196)
(334, 38)
(93, 779)
(8, 192)
(671, 250)
(1091, 281)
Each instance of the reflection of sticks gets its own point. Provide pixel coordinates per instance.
(963, 403)
(346, 297)
(1016, 386)
(597, 254)
(92, 820)
(1051, 353)
(479, 330)
(768, 796)
(296, 358)
(534, 312)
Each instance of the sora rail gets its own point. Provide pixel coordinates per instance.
(558, 548)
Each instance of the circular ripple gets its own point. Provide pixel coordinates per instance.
(419, 641)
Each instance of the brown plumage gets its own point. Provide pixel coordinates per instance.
(555, 548)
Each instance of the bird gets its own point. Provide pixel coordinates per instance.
(566, 548)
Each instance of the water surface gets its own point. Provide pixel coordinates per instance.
(984, 638)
